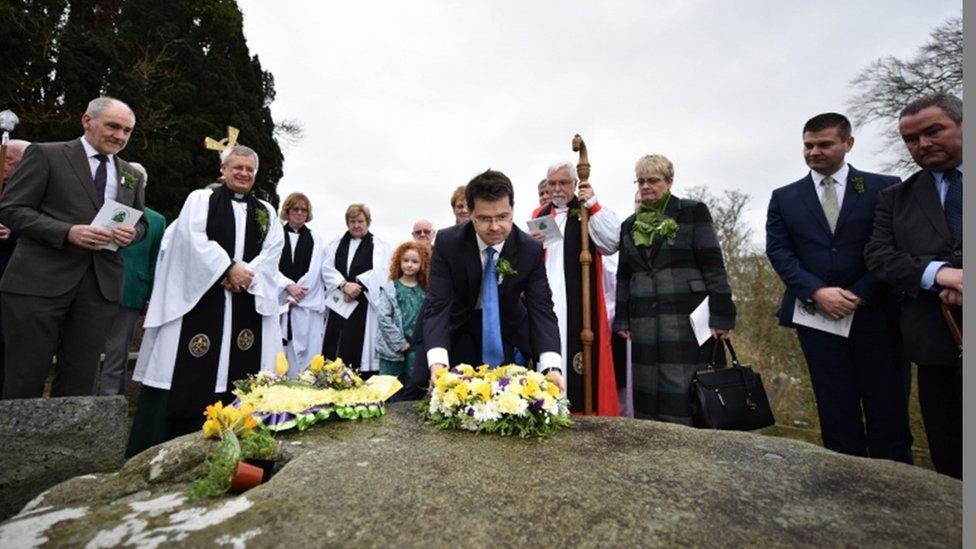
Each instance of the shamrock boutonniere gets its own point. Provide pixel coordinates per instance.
(651, 222)
(261, 217)
(503, 269)
(575, 212)
(858, 184)
(129, 180)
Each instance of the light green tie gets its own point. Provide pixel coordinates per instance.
(829, 202)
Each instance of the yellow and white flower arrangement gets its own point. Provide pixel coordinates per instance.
(325, 388)
(508, 400)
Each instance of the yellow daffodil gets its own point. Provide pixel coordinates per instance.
(317, 364)
(211, 428)
(281, 365)
(553, 390)
(465, 369)
(531, 388)
(481, 388)
(462, 391)
(482, 370)
(213, 410)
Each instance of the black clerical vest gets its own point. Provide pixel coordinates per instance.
(344, 336)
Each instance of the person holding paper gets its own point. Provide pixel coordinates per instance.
(356, 265)
(670, 261)
(302, 288)
(213, 314)
(564, 272)
(916, 246)
(61, 290)
(816, 230)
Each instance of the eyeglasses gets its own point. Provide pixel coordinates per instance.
(649, 181)
(488, 220)
(423, 231)
(298, 209)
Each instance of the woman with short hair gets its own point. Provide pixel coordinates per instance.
(356, 265)
(670, 261)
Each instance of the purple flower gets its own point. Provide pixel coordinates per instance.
(503, 382)
(470, 411)
(536, 406)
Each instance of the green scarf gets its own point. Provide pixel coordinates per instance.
(651, 222)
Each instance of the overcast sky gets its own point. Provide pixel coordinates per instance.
(401, 102)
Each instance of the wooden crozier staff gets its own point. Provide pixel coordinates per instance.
(8, 120)
(586, 336)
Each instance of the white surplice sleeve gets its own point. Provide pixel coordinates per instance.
(605, 230)
(265, 287)
(189, 264)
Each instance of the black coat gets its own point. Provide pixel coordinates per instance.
(910, 231)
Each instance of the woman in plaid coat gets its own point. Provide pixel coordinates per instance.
(670, 260)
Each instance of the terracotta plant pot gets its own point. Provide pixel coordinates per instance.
(267, 465)
(246, 476)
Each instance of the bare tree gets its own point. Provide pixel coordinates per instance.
(885, 86)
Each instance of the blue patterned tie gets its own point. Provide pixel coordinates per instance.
(953, 203)
(101, 174)
(491, 324)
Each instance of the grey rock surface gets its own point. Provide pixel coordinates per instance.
(393, 481)
(44, 441)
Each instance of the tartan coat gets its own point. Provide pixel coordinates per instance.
(657, 290)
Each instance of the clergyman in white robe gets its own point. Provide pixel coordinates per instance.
(190, 264)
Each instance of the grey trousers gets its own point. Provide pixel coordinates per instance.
(111, 378)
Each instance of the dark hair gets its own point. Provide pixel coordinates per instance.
(826, 120)
(950, 104)
(491, 186)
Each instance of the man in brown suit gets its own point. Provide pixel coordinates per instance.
(61, 290)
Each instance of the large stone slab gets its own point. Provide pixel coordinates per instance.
(608, 482)
(44, 441)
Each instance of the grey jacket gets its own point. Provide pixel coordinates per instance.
(51, 191)
(389, 332)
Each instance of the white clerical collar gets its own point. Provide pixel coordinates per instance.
(482, 245)
(91, 151)
(840, 176)
(355, 238)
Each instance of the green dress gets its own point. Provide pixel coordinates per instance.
(408, 300)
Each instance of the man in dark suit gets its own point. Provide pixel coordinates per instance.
(916, 247)
(61, 289)
(816, 230)
(8, 239)
(489, 300)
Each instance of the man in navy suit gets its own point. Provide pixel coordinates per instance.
(916, 247)
(816, 230)
(489, 300)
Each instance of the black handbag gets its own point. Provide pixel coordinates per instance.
(731, 398)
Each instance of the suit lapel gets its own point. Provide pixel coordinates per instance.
(123, 194)
(671, 210)
(472, 261)
(851, 198)
(928, 201)
(509, 253)
(808, 195)
(75, 154)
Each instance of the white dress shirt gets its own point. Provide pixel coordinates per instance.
(111, 174)
(840, 183)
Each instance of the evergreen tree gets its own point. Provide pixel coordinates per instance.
(183, 66)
